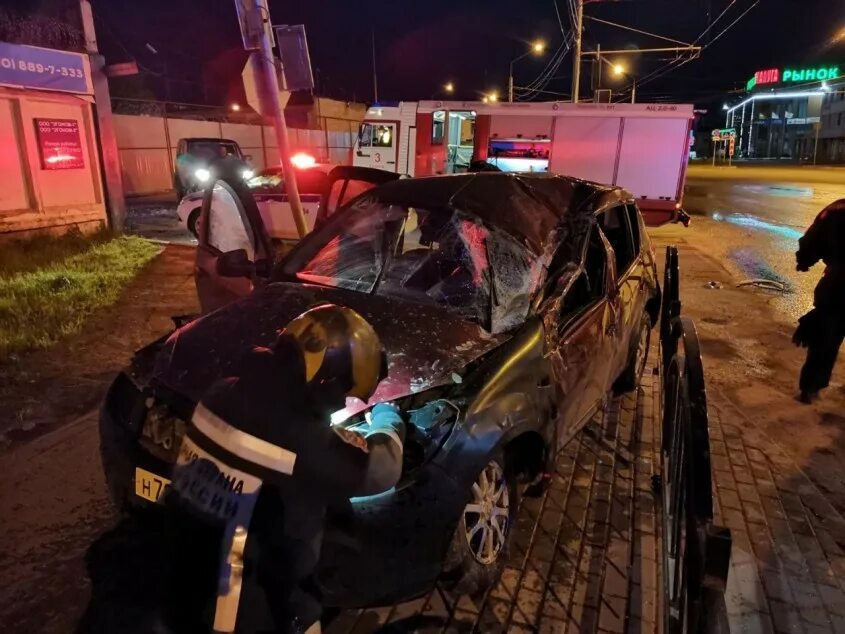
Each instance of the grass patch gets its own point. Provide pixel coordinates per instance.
(49, 287)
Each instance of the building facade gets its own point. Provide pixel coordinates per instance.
(791, 114)
(49, 159)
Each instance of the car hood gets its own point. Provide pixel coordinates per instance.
(425, 345)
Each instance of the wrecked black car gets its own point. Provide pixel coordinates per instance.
(509, 306)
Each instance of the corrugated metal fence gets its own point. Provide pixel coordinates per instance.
(147, 140)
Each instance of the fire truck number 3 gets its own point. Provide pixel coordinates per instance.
(377, 157)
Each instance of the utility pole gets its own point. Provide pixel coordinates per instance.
(109, 155)
(576, 57)
(254, 16)
(375, 76)
(634, 91)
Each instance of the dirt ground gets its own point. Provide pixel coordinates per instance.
(749, 357)
(42, 390)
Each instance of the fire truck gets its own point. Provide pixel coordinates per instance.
(641, 147)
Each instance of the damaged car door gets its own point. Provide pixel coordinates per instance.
(582, 349)
(235, 253)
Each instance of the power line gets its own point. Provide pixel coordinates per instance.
(742, 15)
(714, 22)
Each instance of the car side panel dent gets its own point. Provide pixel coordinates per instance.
(512, 398)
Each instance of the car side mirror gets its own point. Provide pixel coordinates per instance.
(247, 157)
(235, 264)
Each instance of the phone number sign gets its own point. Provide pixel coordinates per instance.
(45, 68)
(59, 143)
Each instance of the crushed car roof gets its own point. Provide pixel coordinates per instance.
(530, 207)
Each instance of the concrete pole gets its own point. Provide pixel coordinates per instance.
(634, 92)
(109, 155)
(510, 84)
(576, 56)
(268, 92)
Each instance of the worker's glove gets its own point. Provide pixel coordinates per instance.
(385, 418)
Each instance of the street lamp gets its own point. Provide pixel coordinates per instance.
(538, 47)
(449, 87)
(235, 107)
(619, 71)
(493, 97)
(725, 106)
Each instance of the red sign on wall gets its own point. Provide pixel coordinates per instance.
(59, 143)
(770, 76)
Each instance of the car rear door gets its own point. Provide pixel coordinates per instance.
(229, 221)
(582, 349)
(344, 183)
(615, 223)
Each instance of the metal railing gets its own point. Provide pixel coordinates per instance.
(696, 553)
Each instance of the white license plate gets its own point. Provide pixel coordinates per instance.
(148, 485)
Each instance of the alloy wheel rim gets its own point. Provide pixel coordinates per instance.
(487, 515)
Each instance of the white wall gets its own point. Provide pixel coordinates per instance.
(585, 147)
(147, 152)
(33, 198)
(13, 193)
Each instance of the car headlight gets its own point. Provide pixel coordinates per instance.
(202, 174)
(247, 174)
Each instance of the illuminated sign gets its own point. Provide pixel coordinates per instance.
(724, 134)
(810, 74)
(792, 75)
(59, 144)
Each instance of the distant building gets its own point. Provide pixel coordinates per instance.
(792, 113)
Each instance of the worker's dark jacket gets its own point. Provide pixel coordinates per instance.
(825, 241)
(305, 466)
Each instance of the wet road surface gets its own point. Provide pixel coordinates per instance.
(753, 218)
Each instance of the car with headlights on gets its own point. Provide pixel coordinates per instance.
(194, 158)
(509, 305)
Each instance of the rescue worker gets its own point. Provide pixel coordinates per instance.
(266, 436)
(823, 329)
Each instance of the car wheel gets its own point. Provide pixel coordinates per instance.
(479, 545)
(193, 222)
(637, 359)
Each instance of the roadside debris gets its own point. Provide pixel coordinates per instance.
(713, 284)
(768, 285)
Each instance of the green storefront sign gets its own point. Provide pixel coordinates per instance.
(821, 73)
(793, 75)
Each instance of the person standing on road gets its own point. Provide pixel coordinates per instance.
(822, 330)
(267, 435)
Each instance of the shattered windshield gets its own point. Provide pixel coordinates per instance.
(441, 257)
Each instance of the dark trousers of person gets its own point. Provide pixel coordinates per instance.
(822, 350)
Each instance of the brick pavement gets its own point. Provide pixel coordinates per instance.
(788, 565)
(584, 556)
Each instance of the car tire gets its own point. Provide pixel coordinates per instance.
(192, 222)
(479, 548)
(629, 380)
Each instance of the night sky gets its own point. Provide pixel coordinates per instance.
(421, 45)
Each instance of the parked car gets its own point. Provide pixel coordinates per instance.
(271, 198)
(509, 306)
(194, 157)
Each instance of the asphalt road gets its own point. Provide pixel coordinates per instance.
(752, 218)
